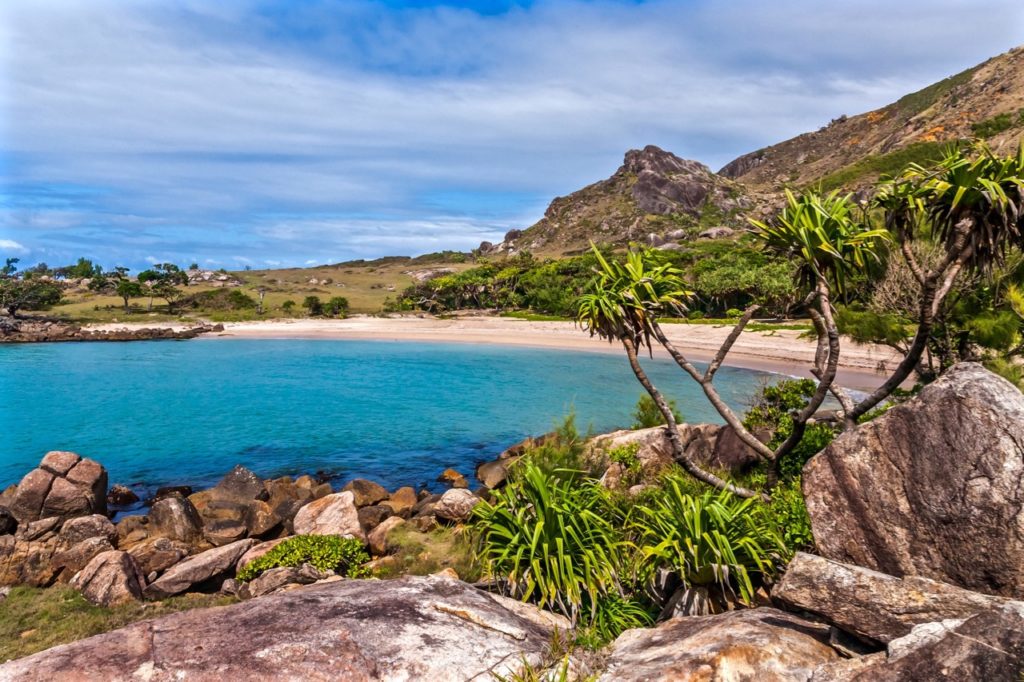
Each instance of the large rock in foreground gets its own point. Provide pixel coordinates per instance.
(872, 605)
(757, 644)
(413, 628)
(933, 487)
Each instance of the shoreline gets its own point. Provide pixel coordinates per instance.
(777, 351)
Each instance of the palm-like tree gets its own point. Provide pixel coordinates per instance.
(624, 306)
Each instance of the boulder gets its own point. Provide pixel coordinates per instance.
(931, 487)
(762, 644)
(175, 518)
(279, 578)
(222, 532)
(378, 537)
(871, 605)
(156, 555)
(402, 501)
(453, 478)
(456, 505)
(240, 484)
(194, 571)
(494, 474)
(256, 551)
(413, 628)
(63, 486)
(168, 490)
(121, 496)
(70, 560)
(332, 515)
(366, 493)
(131, 530)
(260, 518)
(110, 578)
(85, 527)
(372, 516)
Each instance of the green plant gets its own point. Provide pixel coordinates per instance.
(338, 305)
(733, 314)
(288, 306)
(715, 538)
(313, 304)
(626, 457)
(789, 514)
(646, 414)
(345, 556)
(614, 615)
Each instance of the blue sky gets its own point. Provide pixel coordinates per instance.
(236, 133)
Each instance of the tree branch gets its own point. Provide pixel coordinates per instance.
(709, 375)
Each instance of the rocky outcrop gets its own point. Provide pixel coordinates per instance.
(202, 568)
(63, 486)
(934, 487)
(175, 518)
(110, 578)
(430, 628)
(36, 330)
(456, 505)
(765, 645)
(366, 493)
(280, 578)
(872, 605)
(332, 515)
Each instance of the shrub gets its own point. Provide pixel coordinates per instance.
(789, 515)
(733, 313)
(313, 304)
(338, 305)
(773, 409)
(626, 456)
(711, 539)
(614, 615)
(345, 556)
(646, 414)
(288, 305)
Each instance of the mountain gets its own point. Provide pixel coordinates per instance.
(655, 196)
(985, 101)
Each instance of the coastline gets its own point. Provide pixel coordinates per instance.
(778, 351)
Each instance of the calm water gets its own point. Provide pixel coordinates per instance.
(167, 412)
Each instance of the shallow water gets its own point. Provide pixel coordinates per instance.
(173, 412)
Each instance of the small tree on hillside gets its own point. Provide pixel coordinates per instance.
(27, 294)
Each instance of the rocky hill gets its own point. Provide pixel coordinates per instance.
(985, 101)
(655, 197)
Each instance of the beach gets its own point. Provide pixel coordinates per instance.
(782, 351)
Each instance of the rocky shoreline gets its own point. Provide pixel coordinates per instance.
(37, 330)
(916, 515)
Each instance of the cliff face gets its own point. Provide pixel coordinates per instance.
(985, 101)
(655, 196)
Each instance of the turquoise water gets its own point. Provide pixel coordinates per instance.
(172, 412)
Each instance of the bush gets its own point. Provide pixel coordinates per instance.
(345, 556)
(313, 304)
(733, 313)
(711, 539)
(789, 514)
(219, 299)
(646, 414)
(773, 410)
(626, 456)
(288, 306)
(338, 305)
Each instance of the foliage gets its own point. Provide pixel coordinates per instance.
(288, 306)
(219, 299)
(626, 456)
(788, 513)
(345, 556)
(712, 539)
(27, 294)
(773, 410)
(646, 414)
(614, 614)
(313, 304)
(990, 127)
(336, 306)
(876, 165)
(426, 553)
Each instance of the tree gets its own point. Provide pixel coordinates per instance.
(338, 305)
(127, 289)
(163, 280)
(314, 305)
(119, 283)
(27, 294)
(10, 267)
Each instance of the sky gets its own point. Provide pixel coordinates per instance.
(269, 134)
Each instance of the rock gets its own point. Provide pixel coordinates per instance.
(872, 605)
(240, 484)
(986, 646)
(765, 645)
(27, 562)
(222, 532)
(70, 560)
(110, 578)
(121, 496)
(717, 233)
(931, 487)
(372, 516)
(256, 551)
(131, 530)
(453, 478)
(413, 628)
(378, 537)
(424, 524)
(196, 570)
(8, 524)
(456, 505)
(64, 486)
(85, 527)
(366, 493)
(275, 579)
(402, 501)
(494, 474)
(156, 555)
(260, 518)
(171, 490)
(426, 504)
(175, 518)
(332, 515)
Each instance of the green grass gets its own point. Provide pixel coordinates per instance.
(33, 619)
(535, 317)
(991, 127)
(870, 167)
(752, 327)
(916, 102)
(426, 553)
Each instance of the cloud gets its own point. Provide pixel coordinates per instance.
(11, 245)
(351, 128)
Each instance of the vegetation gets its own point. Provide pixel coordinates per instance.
(19, 293)
(990, 127)
(873, 166)
(345, 556)
(647, 413)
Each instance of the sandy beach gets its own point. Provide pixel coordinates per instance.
(781, 351)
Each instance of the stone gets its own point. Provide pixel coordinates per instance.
(412, 628)
(8, 524)
(256, 551)
(240, 484)
(332, 515)
(260, 518)
(64, 486)
(199, 569)
(762, 644)
(494, 474)
(121, 496)
(91, 476)
(871, 605)
(717, 233)
(170, 490)
(32, 492)
(424, 524)
(175, 518)
(931, 487)
(456, 505)
(85, 527)
(372, 516)
(131, 530)
(453, 478)
(402, 501)
(276, 579)
(65, 500)
(70, 560)
(378, 537)
(110, 578)
(222, 532)
(59, 462)
(156, 555)
(366, 493)
(28, 562)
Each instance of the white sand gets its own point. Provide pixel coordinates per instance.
(779, 351)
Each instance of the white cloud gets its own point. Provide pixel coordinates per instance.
(11, 245)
